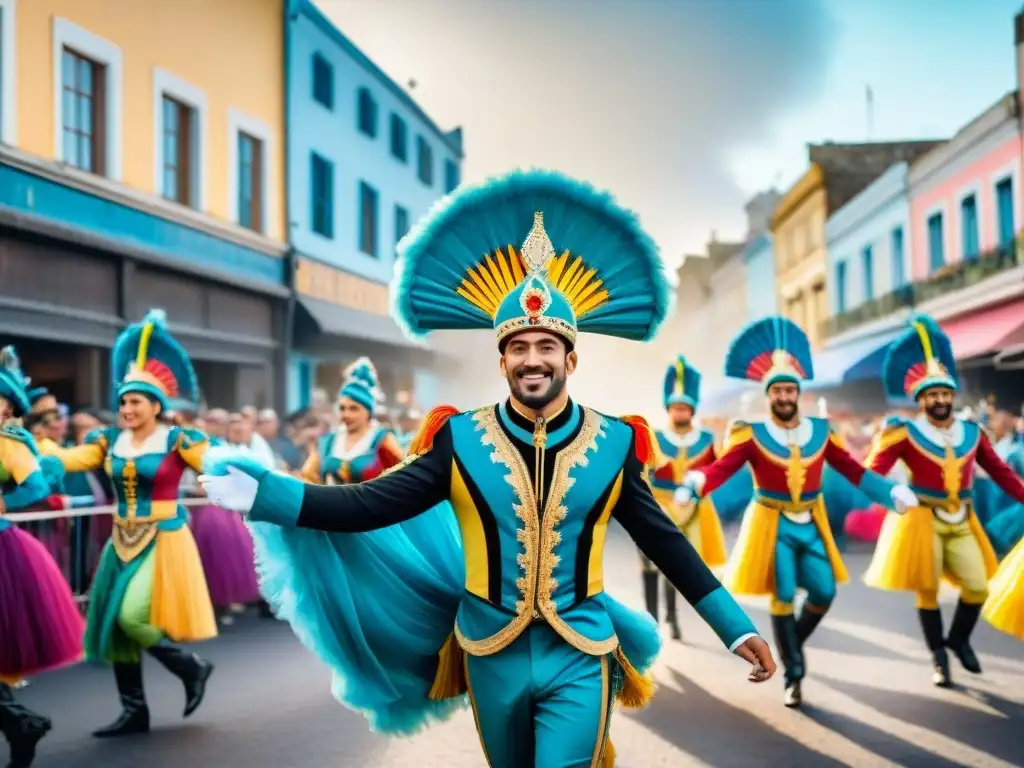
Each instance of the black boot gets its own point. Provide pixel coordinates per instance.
(959, 638)
(931, 625)
(134, 716)
(807, 623)
(265, 611)
(187, 667)
(651, 592)
(791, 655)
(22, 727)
(671, 617)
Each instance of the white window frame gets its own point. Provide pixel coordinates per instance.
(239, 122)
(167, 84)
(8, 80)
(67, 34)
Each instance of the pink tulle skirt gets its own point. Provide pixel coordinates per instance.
(40, 625)
(225, 547)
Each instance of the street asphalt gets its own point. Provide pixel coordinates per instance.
(869, 702)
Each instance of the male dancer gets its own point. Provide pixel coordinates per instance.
(538, 644)
(943, 535)
(785, 541)
(685, 447)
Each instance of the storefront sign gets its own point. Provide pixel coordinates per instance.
(319, 281)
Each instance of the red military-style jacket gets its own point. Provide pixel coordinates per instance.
(941, 475)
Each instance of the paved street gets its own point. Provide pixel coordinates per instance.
(870, 703)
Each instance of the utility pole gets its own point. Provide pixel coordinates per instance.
(869, 98)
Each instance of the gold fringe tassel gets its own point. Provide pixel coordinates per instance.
(637, 690)
(450, 679)
(608, 760)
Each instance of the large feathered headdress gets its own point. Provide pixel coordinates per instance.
(921, 357)
(769, 351)
(13, 383)
(532, 250)
(148, 360)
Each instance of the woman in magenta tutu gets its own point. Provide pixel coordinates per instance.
(225, 544)
(31, 585)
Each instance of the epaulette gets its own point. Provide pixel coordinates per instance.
(432, 424)
(893, 422)
(97, 436)
(22, 435)
(188, 438)
(645, 441)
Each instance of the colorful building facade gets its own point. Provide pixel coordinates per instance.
(965, 194)
(868, 253)
(144, 167)
(365, 162)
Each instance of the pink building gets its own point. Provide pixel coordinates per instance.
(965, 194)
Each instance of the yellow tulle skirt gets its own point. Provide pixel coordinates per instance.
(181, 601)
(904, 558)
(751, 569)
(706, 535)
(1004, 608)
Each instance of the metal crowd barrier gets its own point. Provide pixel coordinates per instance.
(76, 537)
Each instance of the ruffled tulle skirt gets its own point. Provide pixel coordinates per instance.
(40, 625)
(226, 549)
(1004, 608)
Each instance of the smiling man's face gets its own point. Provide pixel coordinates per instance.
(537, 364)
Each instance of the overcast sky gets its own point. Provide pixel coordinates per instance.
(685, 108)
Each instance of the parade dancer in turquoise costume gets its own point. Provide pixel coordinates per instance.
(531, 635)
(40, 626)
(684, 447)
(149, 592)
(785, 542)
(360, 449)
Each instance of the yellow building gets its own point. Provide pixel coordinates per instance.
(798, 232)
(158, 96)
(144, 141)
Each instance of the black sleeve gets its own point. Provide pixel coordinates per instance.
(402, 494)
(658, 537)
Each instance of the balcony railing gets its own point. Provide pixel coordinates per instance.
(952, 277)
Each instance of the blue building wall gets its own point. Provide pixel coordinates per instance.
(25, 192)
(759, 256)
(334, 134)
(869, 221)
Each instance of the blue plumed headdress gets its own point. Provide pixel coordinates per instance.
(682, 384)
(361, 384)
(920, 358)
(770, 351)
(463, 267)
(13, 383)
(148, 360)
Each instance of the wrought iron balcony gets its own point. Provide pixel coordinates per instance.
(952, 277)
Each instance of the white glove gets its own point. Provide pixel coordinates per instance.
(235, 491)
(903, 497)
(683, 495)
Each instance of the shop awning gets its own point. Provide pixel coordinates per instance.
(856, 360)
(986, 332)
(336, 320)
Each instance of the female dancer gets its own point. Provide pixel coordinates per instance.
(40, 627)
(149, 588)
(361, 448)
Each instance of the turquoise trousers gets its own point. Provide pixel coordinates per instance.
(801, 561)
(540, 703)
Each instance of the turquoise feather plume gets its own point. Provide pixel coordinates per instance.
(906, 351)
(162, 346)
(463, 229)
(752, 350)
(13, 383)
